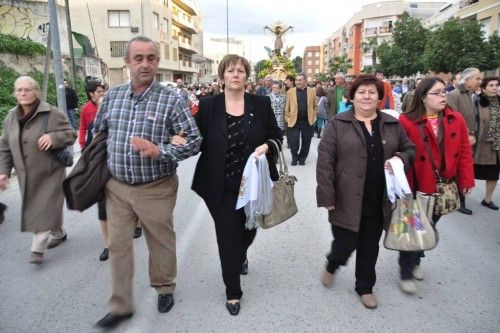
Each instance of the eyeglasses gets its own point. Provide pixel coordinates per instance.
(21, 90)
(438, 92)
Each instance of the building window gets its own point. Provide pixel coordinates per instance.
(316, 54)
(309, 70)
(165, 3)
(309, 54)
(309, 62)
(117, 48)
(174, 54)
(156, 20)
(164, 26)
(118, 18)
(316, 71)
(167, 52)
(316, 62)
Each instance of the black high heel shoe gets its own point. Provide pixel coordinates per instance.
(244, 268)
(233, 309)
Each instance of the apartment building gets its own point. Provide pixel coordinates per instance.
(172, 24)
(311, 61)
(487, 12)
(372, 21)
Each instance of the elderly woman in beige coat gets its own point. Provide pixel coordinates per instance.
(25, 145)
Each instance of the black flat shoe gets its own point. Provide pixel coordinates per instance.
(233, 309)
(111, 320)
(104, 255)
(137, 232)
(165, 302)
(56, 242)
(465, 211)
(490, 205)
(244, 268)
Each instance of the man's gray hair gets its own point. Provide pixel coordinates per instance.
(467, 73)
(143, 39)
(303, 75)
(268, 77)
(342, 75)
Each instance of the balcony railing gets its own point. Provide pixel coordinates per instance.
(466, 3)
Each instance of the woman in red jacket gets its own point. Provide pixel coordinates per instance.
(444, 129)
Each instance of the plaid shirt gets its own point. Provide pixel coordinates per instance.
(155, 115)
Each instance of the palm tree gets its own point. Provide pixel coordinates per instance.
(340, 64)
(371, 44)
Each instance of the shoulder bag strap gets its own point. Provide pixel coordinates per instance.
(428, 149)
(281, 158)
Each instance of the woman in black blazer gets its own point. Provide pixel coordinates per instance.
(234, 125)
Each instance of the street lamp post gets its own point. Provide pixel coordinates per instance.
(227, 27)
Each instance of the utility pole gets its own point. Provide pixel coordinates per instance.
(70, 43)
(56, 49)
(48, 53)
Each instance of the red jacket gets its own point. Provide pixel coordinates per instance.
(388, 101)
(87, 116)
(457, 152)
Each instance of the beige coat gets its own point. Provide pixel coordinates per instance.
(460, 99)
(40, 175)
(483, 153)
(291, 107)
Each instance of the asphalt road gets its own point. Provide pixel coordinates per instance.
(282, 292)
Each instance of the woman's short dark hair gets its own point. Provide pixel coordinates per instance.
(291, 78)
(416, 109)
(487, 80)
(232, 59)
(320, 91)
(365, 79)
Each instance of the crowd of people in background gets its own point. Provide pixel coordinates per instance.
(349, 114)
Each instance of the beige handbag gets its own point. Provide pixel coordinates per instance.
(284, 206)
(411, 227)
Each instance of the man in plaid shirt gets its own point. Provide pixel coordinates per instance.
(150, 129)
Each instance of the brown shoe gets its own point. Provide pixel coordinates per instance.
(56, 241)
(327, 278)
(369, 301)
(36, 258)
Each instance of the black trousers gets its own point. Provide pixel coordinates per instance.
(300, 130)
(233, 241)
(366, 244)
(409, 259)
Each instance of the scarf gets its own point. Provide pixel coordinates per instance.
(493, 135)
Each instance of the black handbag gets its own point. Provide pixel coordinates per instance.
(63, 155)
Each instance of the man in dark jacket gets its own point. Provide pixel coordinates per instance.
(71, 104)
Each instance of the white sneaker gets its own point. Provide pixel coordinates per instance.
(418, 273)
(408, 286)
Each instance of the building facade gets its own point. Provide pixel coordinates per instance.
(312, 62)
(373, 22)
(173, 25)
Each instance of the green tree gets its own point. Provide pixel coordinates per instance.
(259, 66)
(371, 45)
(455, 46)
(493, 51)
(339, 64)
(297, 63)
(321, 77)
(403, 55)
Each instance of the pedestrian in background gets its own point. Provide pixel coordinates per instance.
(322, 120)
(487, 148)
(143, 160)
(30, 131)
(387, 102)
(445, 131)
(71, 104)
(465, 101)
(249, 87)
(352, 154)
(95, 93)
(301, 107)
(233, 125)
(278, 105)
(265, 89)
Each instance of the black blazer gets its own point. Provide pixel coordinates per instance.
(259, 126)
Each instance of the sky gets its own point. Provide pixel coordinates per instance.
(313, 21)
